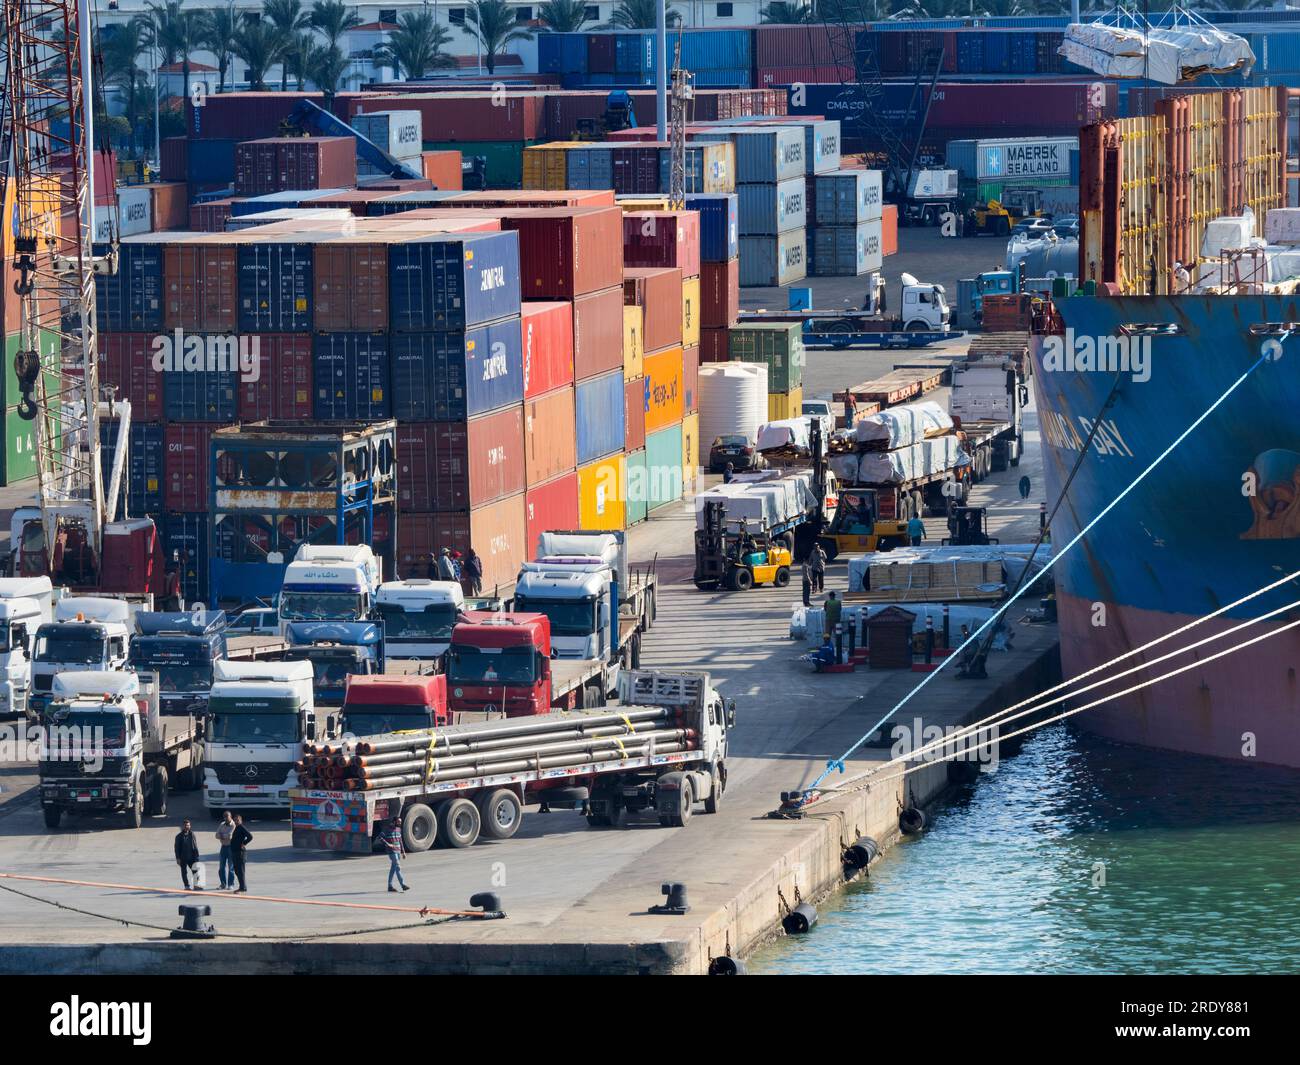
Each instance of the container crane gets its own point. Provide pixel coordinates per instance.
(683, 90)
(49, 88)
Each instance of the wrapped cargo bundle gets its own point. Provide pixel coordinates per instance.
(1169, 54)
(902, 426)
(760, 500)
(787, 435)
(923, 459)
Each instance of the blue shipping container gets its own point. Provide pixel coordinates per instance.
(131, 300)
(142, 482)
(634, 53)
(185, 538)
(200, 395)
(716, 50)
(210, 162)
(562, 53)
(848, 197)
(451, 376)
(453, 282)
(350, 376)
(599, 415)
(274, 201)
(997, 52)
(275, 288)
(590, 168)
(766, 210)
(719, 225)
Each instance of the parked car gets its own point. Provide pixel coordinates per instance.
(820, 410)
(1033, 227)
(736, 449)
(255, 621)
(1066, 227)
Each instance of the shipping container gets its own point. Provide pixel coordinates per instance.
(766, 210)
(665, 389)
(185, 539)
(847, 251)
(719, 226)
(658, 292)
(599, 416)
(633, 346)
(396, 132)
(126, 362)
(547, 346)
(662, 238)
(663, 451)
(714, 345)
(567, 251)
(132, 215)
(350, 376)
(635, 169)
(286, 199)
(471, 116)
(503, 161)
(550, 506)
(690, 378)
(210, 217)
(201, 279)
(550, 447)
(19, 454)
(597, 332)
(690, 453)
(131, 300)
(187, 486)
(275, 285)
(453, 282)
(690, 312)
(205, 393)
(889, 230)
(710, 168)
(1012, 158)
(848, 197)
(141, 490)
(450, 376)
(445, 170)
(784, 405)
(496, 532)
(822, 146)
(634, 405)
(764, 154)
(777, 345)
(244, 115)
(279, 163)
(779, 260)
(460, 465)
(637, 472)
(602, 494)
(350, 275)
(282, 386)
(719, 294)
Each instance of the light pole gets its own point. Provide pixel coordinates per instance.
(661, 70)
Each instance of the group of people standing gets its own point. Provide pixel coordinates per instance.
(233, 838)
(466, 570)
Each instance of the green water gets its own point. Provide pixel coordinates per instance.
(1201, 867)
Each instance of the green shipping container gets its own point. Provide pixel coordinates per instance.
(637, 472)
(19, 449)
(663, 457)
(49, 346)
(778, 345)
(505, 159)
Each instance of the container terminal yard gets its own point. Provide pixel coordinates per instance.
(547, 525)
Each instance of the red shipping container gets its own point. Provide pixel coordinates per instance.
(256, 172)
(284, 381)
(281, 163)
(719, 294)
(550, 506)
(464, 116)
(496, 531)
(443, 169)
(201, 284)
(550, 441)
(246, 115)
(714, 345)
(460, 465)
(210, 217)
(658, 291)
(691, 378)
(634, 414)
(548, 346)
(185, 484)
(598, 333)
(171, 204)
(663, 238)
(430, 220)
(350, 278)
(126, 362)
(566, 251)
(510, 199)
(175, 162)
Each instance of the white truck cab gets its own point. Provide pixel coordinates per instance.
(418, 616)
(923, 306)
(332, 582)
(88, 633)
(577, 582)
(25, 605)
(259, 716)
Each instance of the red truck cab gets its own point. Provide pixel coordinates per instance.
(500, 661)
(377, 705)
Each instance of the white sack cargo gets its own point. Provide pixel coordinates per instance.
(790, 434)
(1014, 558)
(1227, 232)
(923, 459)
(1282, 225)
(1166, 54)
(760, 503)
(902, 426)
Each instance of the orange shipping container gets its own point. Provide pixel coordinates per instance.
(201, 284)
(665, 392)
(443, 169)
(171, 205)
(602, 494)
(550, 442)
(496, 531)
(889, 229)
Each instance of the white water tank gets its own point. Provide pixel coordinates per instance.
(733, 399)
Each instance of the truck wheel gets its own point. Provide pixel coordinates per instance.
(53, 815)
(674, 800)
(782, 576)
(636, 650)
(191, 777)
(419, 828)
(742, 579)
(718, 781)
(459, 824)
(500, 813)
(158, 792)
(136, 813)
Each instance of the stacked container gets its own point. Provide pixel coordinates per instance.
(396, 132)
(846, 238)
(779, 347)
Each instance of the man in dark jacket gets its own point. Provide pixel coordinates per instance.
(186, 848)
(473, 571)
(239, 841)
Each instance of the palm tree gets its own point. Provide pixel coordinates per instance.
(639, 15)
(328, 64)
(415, 47)
(174, 33)
(288, 17)
(333, 19)
(217, 35)
(260, 46)
(297, 58)
(782, 13)
(120, 52)
(563, 16)
(494, 23)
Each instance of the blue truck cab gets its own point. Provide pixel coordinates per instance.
(336, 650)
(174, 652)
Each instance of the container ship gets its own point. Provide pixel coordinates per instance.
(1216, 520)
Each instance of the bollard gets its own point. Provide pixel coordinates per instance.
(674, 902)
(1042, 516)
(800, 919)
(853, 642)
(947, 634)
(839, 643)
(193, 927)
(487, 901)
(929, 640)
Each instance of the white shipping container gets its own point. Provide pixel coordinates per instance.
(1012, 158)
(399, 133)
(847, 251)
(766, 210)
(775, 260)
(134, 214)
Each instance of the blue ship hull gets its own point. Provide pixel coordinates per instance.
(1216, 520)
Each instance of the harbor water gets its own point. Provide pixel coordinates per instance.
(1083, 856)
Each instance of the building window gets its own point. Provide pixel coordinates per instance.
(388, 14)
(523, 14)
(724, 11)
(456, 16)
(592, 13)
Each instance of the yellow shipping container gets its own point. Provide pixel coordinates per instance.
(602, 494)
(690, 312)
(690, 452)
(783, 405)
(633, 342)
(546, 166)
(642, 203)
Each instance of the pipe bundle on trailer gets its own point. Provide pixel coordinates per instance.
(460, 752)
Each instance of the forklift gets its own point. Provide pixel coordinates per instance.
(967, 525)
(735, 559)
(999, 217)
(857, 525)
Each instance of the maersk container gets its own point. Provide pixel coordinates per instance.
(764, 154)
(848, 197)
(1012, 158)
(396, 132)
(766, 210)
(350, 374)
(663, 477)
(719, 225)
(821, 141)
(775, 260)
(453, 282)
(599, 416)
(846, 251)
(452, 375)
(275, 287)
(131, 300)
(201, 395)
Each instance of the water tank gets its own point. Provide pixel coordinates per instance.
(1045, 257)
(732, 399)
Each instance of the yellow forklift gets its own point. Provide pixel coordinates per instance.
(999, 217)
(727, 555)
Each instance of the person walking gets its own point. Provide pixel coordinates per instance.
(474, 573)
(807, 582)
(186, 848)
(915, 530)
(240, 838)
(171, 601)
(393, 845)
(225, 866)
(850, 410)
(1024, 487)
(818, 559)
(834, 608)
